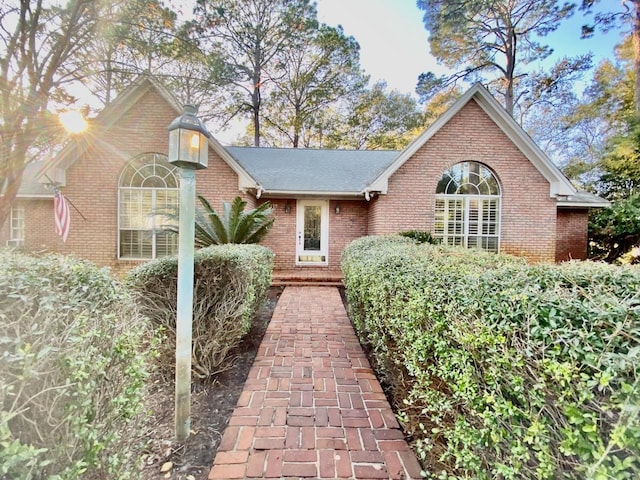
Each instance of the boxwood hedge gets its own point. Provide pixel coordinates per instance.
(501, 369)
(74, 358)
(230, 285)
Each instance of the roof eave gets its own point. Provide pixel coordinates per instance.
(308, 193)
(245, 180)
(56, 170)
(34, 195)
(558, 183)
(603, 204)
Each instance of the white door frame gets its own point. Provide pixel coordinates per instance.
(314, 256)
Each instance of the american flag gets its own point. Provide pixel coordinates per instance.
(61, 215)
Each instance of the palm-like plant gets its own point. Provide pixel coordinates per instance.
(233, 226)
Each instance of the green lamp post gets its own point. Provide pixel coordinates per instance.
(188, 149)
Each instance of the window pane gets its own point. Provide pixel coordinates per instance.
(312, 227)
(439, 221)
(16, 226)
(468, 178)
(166, 201)
(148, 186)
(135, 244)
(166, 244)
(467, 220)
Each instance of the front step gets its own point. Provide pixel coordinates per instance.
(305, 283)
(307, 277)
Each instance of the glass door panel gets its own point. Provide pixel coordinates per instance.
(312, 232)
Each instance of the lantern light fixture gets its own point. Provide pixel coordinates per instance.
(188, 140)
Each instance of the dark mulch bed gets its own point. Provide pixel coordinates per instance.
(212, 403)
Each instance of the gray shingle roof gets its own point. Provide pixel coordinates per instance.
(299, 170)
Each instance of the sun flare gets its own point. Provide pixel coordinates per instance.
(73, 121)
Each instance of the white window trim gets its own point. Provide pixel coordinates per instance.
(466, 198)
(324, 232)
(153, 230)
(154, 227)
(16, 240)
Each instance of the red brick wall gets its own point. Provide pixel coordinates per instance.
(39, 226)
(572, 234)
(528, 220)
(349, 224)
(528, 214)
(281, 239)
(92, 183)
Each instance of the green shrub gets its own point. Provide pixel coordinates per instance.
(500, 369)
(230, 285)
(419, 236)
(72, 371)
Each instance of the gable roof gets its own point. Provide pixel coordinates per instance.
(30, 187)
(559, 184)
(301, 171)
(127, 99)
(289, 171)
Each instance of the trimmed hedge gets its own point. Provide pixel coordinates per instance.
(230, 285)
(501, 369)
(75, 358)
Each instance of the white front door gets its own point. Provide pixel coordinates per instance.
(312, 233)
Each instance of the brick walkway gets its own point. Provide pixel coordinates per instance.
(311, 406)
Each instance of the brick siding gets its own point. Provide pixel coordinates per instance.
(528, 214)
(344, 227)
(92, 185)
(529, 217)
(572, 238)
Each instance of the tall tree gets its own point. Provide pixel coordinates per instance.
(629, 14)
(251, 35)
(439, 103)
(491, 39)
(138, 36)
(605, 138)
(321, 71)
(39, 44)
(377, 119)
(604, 112)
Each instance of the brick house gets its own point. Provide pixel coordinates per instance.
(473, 178)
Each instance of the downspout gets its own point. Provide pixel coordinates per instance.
(259, 192)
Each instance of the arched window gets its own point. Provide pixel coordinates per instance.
(148, 185)
(468, 207)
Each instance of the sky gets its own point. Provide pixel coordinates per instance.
(394, 44)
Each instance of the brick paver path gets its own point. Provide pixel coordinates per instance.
(311, 406)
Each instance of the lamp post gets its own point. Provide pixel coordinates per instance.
(188, 149)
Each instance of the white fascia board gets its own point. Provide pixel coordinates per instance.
(245, 181)
(35, 195)
(558, 183)
(382, 182)
(307, 193)
(583, 205)
(566, 204)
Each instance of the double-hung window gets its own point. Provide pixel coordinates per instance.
(148, 187)
(467, 210)
(16, 226)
